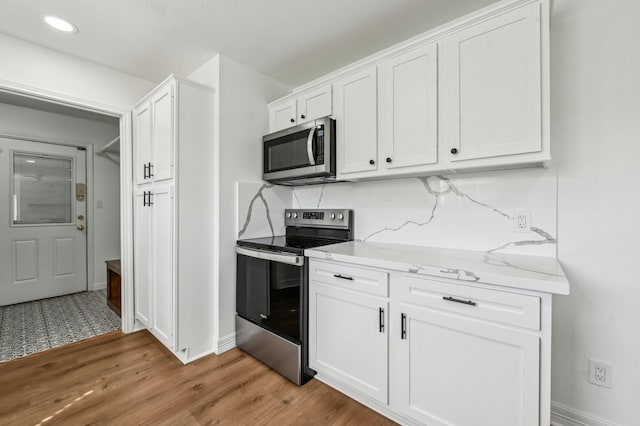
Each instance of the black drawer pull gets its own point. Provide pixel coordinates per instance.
(464, 302)
(344, 277)
(381, 320)
(403, 326)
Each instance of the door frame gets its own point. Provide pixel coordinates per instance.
(126, 183)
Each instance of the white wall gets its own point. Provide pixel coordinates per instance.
(39, 125)
(242, 119)
(37, 67)
(595, 88)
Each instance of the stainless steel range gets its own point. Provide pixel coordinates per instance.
(272, 288)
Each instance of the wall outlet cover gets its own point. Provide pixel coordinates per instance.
(600, 373)
(522, 221)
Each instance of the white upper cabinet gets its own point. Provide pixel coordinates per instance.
(408, 109)
(153, 124)
(314, 104)
(472, 95)
(163, 134)
(282, 115)
(306, 107)
(355, 111)
(143, 152)
(492, 79)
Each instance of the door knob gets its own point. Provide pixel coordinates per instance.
(80, 227)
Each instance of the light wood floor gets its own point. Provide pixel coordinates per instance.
(118, 379)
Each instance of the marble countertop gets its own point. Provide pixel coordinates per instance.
(509, 270)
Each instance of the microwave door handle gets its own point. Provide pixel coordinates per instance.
(312, 161)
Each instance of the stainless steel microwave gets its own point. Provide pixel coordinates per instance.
(301, 155)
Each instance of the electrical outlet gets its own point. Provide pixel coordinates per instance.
(522, 221)
(600, 373)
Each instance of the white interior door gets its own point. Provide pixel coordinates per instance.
(43, 245)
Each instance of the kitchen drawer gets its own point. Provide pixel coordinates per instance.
(503, 307)
(352, 277)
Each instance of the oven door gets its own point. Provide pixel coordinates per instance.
(301, 151)
(269, 290)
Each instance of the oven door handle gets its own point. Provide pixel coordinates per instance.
(312, 161)
(290, 259)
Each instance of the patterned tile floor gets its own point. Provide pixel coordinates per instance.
(31, 327)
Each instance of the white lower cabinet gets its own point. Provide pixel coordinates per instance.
(154, 275)
(435, 352)
(350, 339)
(449, 370)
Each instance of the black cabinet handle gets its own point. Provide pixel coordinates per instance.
(293, 120)
(150, 202)
(381, 320)
(145, 172)
(303, 116)
(144, 197)
(372, 162)
(454, 150)
(388, 159)
(464, 302)
(344, 277)
(150, 172)
(403, 326)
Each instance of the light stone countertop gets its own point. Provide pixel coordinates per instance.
(535, 273)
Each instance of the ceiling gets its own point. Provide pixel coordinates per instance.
(293, 41)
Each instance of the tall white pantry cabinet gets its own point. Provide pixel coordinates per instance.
(174, 215)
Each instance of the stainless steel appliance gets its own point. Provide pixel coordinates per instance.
(301, 155)
(272, 289)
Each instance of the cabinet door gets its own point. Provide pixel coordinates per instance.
(355, 111)
(408, 118)
(163, 133)
(143, 257)
(164, 289)
(494, 88)
(142, 142)
(449, 370)
(282, 115)
(348, 339)
(314, 104)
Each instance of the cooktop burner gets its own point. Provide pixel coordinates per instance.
(307, 229)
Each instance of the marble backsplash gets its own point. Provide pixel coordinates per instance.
(471, 211)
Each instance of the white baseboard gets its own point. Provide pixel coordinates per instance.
(99, 286)
(225, 343)
(562, 415)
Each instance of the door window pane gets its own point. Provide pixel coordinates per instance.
(42, 189)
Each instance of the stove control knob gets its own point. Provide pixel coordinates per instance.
(288, 215)
(295, 215)
(332, 216)
(340, 216)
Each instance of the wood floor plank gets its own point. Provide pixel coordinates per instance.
(118, 379)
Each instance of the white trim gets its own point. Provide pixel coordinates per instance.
(126, 180)
(562, 415)
(225, 343)
(126, 222)
(98, 286)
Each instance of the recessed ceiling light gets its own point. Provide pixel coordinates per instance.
(60, 24)
(31, 161)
